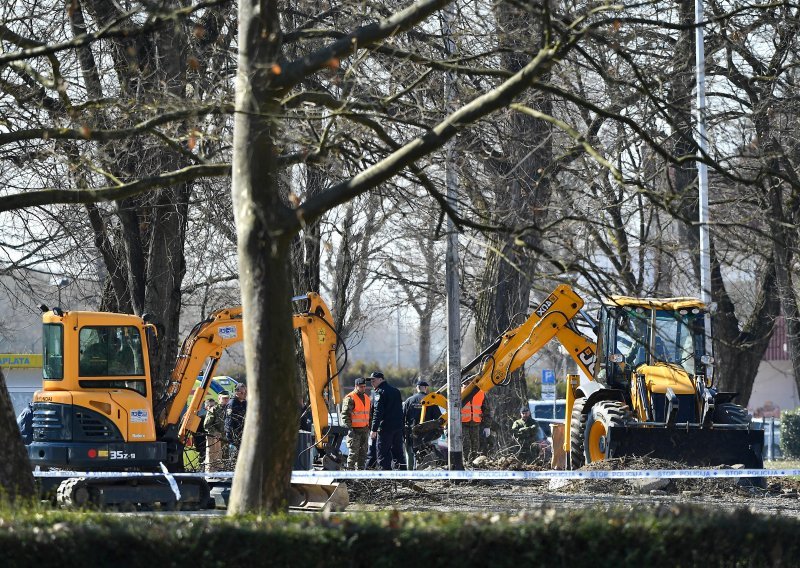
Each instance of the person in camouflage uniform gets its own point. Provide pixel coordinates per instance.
(214, 425)
(527, 433)
(356, 416)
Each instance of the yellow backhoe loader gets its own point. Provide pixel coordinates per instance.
(96, 410)
(649, 392)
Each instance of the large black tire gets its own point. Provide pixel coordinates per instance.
(730, 413)
(576, 434)
(601, 417)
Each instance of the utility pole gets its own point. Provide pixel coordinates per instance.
(455, 455)
(702, 173)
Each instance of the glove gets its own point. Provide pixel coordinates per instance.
(486, 432)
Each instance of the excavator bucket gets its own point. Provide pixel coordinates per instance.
(309, 495)
(692, 446)
(317, 495)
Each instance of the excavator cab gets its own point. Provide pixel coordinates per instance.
(652, 394)
(634, 336)
(647, 351)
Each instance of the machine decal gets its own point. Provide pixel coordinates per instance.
(546, 305)
(139, 415)
(120, 455)
(588, 357)
(321, 335)
(228, 332)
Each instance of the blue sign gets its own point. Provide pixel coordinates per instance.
(548, 377)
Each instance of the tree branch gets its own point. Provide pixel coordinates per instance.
(294, 72)
(495, 99)
(54, 196)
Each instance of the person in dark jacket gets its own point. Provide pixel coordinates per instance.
(387, 422)
(412, 412)
(25, 423)
(234, 418)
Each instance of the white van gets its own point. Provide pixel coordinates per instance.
(546, 412)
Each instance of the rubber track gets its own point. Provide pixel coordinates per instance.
(65, 495)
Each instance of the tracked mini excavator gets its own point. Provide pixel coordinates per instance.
(96, 411)
(650, 392)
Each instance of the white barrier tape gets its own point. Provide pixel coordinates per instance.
(551, 474)
(171, 480)
(305, 476)
(123, 474)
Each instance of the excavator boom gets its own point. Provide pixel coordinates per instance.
(200, 351)
(551, 319)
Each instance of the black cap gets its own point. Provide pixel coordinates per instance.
(422, 383)
(361, 381)
(524, 409)
(376, 375)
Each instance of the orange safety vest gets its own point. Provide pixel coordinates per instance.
(473, 411)
(360, 416)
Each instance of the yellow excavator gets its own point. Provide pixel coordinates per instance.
(96, 410)
(649, 392)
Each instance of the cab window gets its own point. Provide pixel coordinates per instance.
(110, 351)
(53, 352)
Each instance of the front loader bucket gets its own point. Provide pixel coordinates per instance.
(318, 495)
(693, 446)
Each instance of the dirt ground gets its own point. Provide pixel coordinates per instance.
(779, 496)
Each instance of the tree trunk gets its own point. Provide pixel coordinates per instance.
(528, 159)
(166, 267)
(500, 309)
(425, 341)
(263, 469)
(739, 348)
(306, 247)
(782, 249)
(684, 175)
(16, 479)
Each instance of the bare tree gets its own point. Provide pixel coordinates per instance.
(266, 225)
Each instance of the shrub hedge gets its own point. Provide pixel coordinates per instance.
(790, 434)
(671, 536)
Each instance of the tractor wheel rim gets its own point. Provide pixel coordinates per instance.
(597, 442)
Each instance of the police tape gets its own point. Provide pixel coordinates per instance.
(454, 475)
(130, 474)
(171, 480)
(448, 475)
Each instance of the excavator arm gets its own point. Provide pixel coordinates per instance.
(203, 347)
(319, 339)
(551, 319)
(200, 351)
